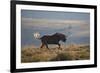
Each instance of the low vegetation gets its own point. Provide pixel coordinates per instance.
(71, 52)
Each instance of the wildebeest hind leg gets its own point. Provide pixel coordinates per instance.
(59, 46)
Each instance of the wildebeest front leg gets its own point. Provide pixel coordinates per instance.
(46, 46)
(42, 45)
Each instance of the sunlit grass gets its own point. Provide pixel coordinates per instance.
(71, 52)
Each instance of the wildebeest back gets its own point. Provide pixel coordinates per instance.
(50, 39)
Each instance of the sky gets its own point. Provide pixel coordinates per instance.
(50, 22)
(54, 15)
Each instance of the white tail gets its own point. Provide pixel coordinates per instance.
(36, 35)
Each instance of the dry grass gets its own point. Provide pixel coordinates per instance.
(72, 52)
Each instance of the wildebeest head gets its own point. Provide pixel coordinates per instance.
(61, 36)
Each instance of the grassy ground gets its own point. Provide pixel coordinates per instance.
(72, 52)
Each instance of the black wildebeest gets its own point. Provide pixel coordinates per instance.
(52, 39)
